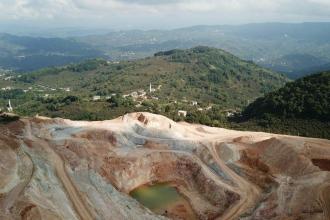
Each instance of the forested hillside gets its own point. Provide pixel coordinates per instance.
(301, 108)
(207, 77)
(307, 98)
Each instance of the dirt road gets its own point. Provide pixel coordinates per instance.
(80, 207)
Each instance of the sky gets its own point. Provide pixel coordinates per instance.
(156, 14)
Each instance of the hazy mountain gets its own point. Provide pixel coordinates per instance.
(273, 45)
(297, 65)
(288, 48)
(31, 53)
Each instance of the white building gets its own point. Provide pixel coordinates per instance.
(151, 89)
(7, 88)
(209, 107)
(96, 98)
(134, 95)
(230, 114)
(182, 113)
(142, 93)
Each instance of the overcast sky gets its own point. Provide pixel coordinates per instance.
(149, 14)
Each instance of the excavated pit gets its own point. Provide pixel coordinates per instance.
(164, 199)
(203, 194)
(146, 167)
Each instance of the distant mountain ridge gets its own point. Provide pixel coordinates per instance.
(297, 65)
(267, 44)
(279, 46)
(31, 53)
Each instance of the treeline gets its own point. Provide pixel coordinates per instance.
(88, 65)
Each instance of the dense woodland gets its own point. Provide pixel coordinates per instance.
(307, 98)
(301, 107)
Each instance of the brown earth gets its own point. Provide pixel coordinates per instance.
(62, 169)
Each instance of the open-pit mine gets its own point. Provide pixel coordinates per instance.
(145, 166)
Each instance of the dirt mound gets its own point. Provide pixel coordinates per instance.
(62, 169)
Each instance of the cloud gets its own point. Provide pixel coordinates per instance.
(149, 2)
(154, 13)
(35, 9)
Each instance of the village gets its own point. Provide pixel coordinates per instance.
(139, 96)
(142, 95)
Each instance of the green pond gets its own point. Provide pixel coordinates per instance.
(156, 196)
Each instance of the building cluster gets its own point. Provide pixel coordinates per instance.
(141, 95)
(98, 97)
(137, 95)
(67, 89)
(7, 88)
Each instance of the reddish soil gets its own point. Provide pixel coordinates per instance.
(323, 164)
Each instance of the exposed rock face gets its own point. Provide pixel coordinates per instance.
(61, 169)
